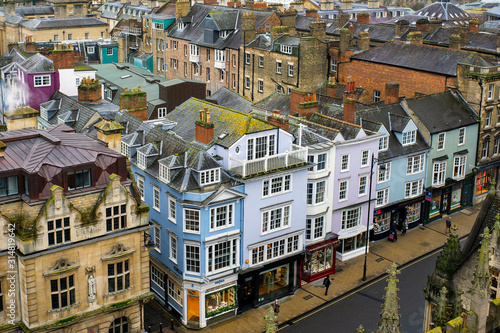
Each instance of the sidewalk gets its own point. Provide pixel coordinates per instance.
(417, 242)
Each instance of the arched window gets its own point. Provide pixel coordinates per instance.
(120, 325)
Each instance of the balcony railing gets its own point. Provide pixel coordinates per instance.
(297, 156)
(220, 64)
(194, 58)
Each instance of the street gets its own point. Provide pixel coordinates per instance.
(362, 307)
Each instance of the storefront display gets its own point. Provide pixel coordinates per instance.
(381, 223)
(483, 179)
(220, 302)
(272, 282)
(435, 206)
(318, 261)
(413, 212)
(456, 197)
(352, 243)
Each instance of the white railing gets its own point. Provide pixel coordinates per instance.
(296, 156)
(194, 58)
(220, 64)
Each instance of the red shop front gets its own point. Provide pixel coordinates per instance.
(319, 259)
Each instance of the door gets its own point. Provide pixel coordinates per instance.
(248, 295)
(445, 203)
(193, 302)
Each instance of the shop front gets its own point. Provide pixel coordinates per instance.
(485, 174)
(410, 210)
(448, 199)
(210, 302)
(263, 284)
(319, 259)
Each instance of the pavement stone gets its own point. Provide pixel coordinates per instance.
(417, 242)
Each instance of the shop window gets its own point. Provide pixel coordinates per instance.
(220, 302)
(273, 282)
(435, 206)
(483, 179)
(381, 222)
(413, 212)
(319, 260)
(456, 198)
(352, 243)
(175, 291)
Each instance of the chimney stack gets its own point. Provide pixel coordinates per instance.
(327, 5)
(464, 34)
(422, 24)
(349, 110)
(110, 132)
(364, 41)
(318, 30)
(331, 87)
(373, 4)
(345, 36)
(311, 13)
(182, 7)
(63, 57)
(204, 127)
(474, 25)
(21, 118)
(278, 120)
(345, 4)
(135, 102)
(89, 91)
(455, 42)
(10, 7)
(401, 27)
(303, 103)
(363, 17)
(3, 147)
(434, 24)
(391, 93)
(248, 26)
(415, 37)
(342, 19)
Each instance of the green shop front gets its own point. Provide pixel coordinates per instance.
(453, 196)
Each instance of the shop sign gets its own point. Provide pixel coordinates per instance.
(428, 195)
(177, 270)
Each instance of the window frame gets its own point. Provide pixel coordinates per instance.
(196, 262)
(416, 165)
(345, 216)
(156, 198)
(267, 222)
(172, 203)
(69, 290)
(285, 186)
(365, 186)
(409, 137)
(44, 80)
(228, 219)
(312, 227)
(184, 226)
(64, 231)
(383, 200)
(172, 247)
(441, 141)
(125, 275)
(278, 67)
(157, 236)
(344, 165)
(460, 167)
(438, 173)
(211, 176)
(461, 136)
(343, 190)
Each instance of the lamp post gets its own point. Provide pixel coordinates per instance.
(367, 238)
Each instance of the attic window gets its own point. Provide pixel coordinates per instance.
(286, 49)
(125, 76)
(157, 26)
(141, 160)
(409, 137)
(440, 15)
(209, 177)
(181, 25)
(222, 136)
(43, 113)
(224, 33)
(125, 149)
(164, 173)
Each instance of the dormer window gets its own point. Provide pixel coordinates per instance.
(8, 186)
(43, 113)
(286, 49)
(164, 173)
(181, 25)
(157, 26)
(79, 179)
(409, 137)
(383, 143)
(224, 33)
(125, 149)
(209, 177)
(141, 160)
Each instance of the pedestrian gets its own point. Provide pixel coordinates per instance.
(448, 224)
(327, 283)
(276, 308)
(394, 228)
(405, 227)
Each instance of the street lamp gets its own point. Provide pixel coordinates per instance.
(367, 238)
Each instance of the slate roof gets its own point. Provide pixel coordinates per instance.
(313, 134)
(59, 147)
(378, 32)
(106, 11)
(224, 16)
(483, 41)
(348, 131)
(421, 57)
(262, 42)
(495, 11)
(275, 101)
(37, 63)
(125, 75)
(229, 99)
(62, 23)
(34, 10)
(494, 25)
(446, 11)
(229, 125)
(442, 112)
(13, 19)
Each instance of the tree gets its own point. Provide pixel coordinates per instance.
(271, 326)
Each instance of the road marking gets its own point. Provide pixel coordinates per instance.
(362, 287)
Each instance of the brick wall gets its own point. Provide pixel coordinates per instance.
(372, 77)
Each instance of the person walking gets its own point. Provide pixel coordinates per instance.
(448, 225)
(276, 308)
(404, 227)
(327, 283)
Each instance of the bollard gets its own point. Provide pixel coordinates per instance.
(149, 329)
(172, 324)
(161, 328)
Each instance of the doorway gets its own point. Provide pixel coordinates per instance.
(193, 310)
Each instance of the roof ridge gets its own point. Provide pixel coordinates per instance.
(338, 120)
(319, 125)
